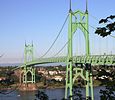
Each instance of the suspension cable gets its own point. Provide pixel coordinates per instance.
(67, 42)
(56, 37)
(98, 21)
(94, 17)
(106, 48)
(84, 27)
(63, 47)
(74, 33)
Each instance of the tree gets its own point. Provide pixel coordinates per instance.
(109, 92)
(77, 95)
(109, 27)
(41, 96)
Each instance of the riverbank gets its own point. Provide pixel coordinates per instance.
(40, 85)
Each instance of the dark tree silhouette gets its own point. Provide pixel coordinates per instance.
(108, 28)
(109, 92)
(41, 96)
(77, 95)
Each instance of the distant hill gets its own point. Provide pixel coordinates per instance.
(10, 64)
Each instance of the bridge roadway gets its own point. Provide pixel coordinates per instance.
(93, 59)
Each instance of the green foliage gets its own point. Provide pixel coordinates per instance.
(9, 78)
(38, 77)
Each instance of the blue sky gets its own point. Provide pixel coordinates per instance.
(40, 21)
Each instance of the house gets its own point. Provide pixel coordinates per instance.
(58, 78)
(2, 78)
(53, 72)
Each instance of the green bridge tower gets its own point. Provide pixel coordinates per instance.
(28, 71)
(78, 20)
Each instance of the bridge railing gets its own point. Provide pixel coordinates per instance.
(93, 59)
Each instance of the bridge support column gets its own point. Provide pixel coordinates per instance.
(69, 82)
(89, 78)
(28, 71)
(78, 20)
(91, 86)
(31, 77)
(83, 71)
(87, 85)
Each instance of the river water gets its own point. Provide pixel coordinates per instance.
(54, 94)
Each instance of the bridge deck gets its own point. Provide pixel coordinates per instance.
(93, 59)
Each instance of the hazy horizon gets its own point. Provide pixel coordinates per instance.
(40, 21)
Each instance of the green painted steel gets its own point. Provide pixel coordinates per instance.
(77, 20)
(92, 59)
(69, 79)
(28, 56)
(80, 22)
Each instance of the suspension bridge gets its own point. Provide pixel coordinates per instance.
(78, 20)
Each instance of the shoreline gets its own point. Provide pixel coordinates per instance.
(38, 87)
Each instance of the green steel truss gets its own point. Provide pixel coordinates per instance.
(28, 71)
(86, 61)
(77, 20)
(92, 59)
